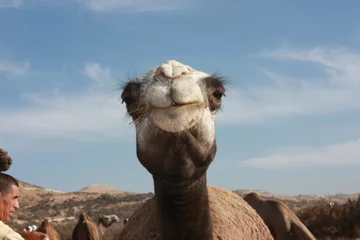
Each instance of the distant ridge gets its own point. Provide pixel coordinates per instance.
(339, 197)
(102, 188)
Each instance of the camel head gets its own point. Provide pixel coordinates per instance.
(45, 223)
(252, 198)
(108, 220)
(173, 108)
(5, 160)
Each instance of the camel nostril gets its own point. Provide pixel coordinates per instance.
(160, 75)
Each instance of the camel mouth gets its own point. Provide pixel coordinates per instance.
(175, 105)
(177, 117)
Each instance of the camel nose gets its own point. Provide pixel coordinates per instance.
(170, 70)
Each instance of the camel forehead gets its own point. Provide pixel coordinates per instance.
(173, 69)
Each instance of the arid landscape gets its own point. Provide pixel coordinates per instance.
(64, 208)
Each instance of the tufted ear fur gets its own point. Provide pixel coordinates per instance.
(5, 160)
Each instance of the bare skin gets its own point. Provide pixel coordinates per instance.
(5, 160)
(9, 204)
(46, 227)
(281, 221)
(173, 108)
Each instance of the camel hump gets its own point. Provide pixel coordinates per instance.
(232, 217)
(301, 231)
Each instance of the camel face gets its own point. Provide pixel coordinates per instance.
(173, 108)
(173, 97)
(108, 220)
(5, 160)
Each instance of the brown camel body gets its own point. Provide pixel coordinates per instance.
(173, 108)
(85, 229)
(46, 227)
(281, 221)
(232, 219)
(5, 160)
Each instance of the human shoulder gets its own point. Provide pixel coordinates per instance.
(6, 233)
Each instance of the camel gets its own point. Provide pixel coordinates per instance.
(45, 227)
(173, 108)
(86, 229)
(281, 221)
(5, 160)
(106, 221)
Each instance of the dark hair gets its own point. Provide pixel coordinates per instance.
(6, 182)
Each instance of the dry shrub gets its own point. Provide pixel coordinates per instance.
(325, 222)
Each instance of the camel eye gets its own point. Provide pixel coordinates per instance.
(218, 94)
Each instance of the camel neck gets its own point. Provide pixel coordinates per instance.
(183, 211)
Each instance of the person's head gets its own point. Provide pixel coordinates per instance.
(9, 194)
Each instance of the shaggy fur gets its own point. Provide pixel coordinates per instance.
(5, 160)
(281, 221)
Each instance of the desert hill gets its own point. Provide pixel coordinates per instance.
(339, 198)
(97, 199)
(102, 188)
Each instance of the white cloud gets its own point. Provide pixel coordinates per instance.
(133, 5)
(341, 64)
(92, 113)
(95, 111)
(14, 68)
(102, 76)
(336, 91)
(10, 3)
(341, 154)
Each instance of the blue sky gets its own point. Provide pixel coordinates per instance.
(290, 122)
